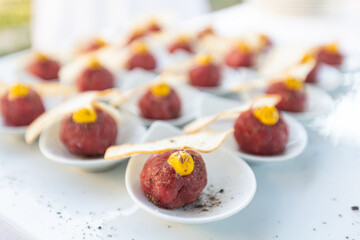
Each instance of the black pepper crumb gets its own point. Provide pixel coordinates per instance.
(347, 237)
(314, 229)
(340, 215)
(355, 208)
(221, 191)
(109, 235)
(324, 223)
(58, 213)
(99, 227)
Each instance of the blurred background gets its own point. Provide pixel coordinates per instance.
(51, 24)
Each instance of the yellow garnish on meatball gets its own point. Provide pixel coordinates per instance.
(84, 115)
(183, 38)
(308, 57)
(18, 91)
(243, 47)
(268, 115)
(182, 162)
(161, 90)
(94, 63)
(294, 84)
(139, 48)
(203, 59)
(332, 47)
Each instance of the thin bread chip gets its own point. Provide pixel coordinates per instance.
(112, 111)
(206, 141)
(198, 124)
(52, 115)
(53, 89)
(301, 70)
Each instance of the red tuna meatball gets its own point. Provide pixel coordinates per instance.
(312, 76)
(44, 68)
(166, 188)
(93, 45)
(185, 46)
(145, 61)
(22, 110)
(333, 58)
(89, 139)
(236, 59)
(205, 75)
(155, 106)
(255, 137)
(98, 78)
(154, 27)
(291, 100)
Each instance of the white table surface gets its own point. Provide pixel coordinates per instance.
(309, 197)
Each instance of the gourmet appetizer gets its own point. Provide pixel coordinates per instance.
(182, 43)
(141, 57)
(261, 131)
(175, 174)
(330, 54)
(241, 56)
(327, 54)
(174, 178)
(93, 45)
(292, 93)
(88, 131)
(20, 105)
(160, 102)
(205, 73)
(258, 129)
(94, 77)
(44, 67)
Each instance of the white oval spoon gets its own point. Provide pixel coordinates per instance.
(231, 184)
(130, 130)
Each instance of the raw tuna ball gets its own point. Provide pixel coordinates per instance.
(44, 68)
(293, 97)
(154, 26)
(20, 106)
(182, 43)
(330, 55)
(160, 102)
(93, 45)
(241, 56)
(205, 73)
(165, 187)
(257, 138)
(88, 132)
(141, 58)
(312, 76)
(95, 77)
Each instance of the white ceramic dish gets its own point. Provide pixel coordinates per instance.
(189, 97)
(49, 102)
(329, 78)
(296, 144)
(231, 175)
(130, 130)
(319, 103)
(230, 78)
